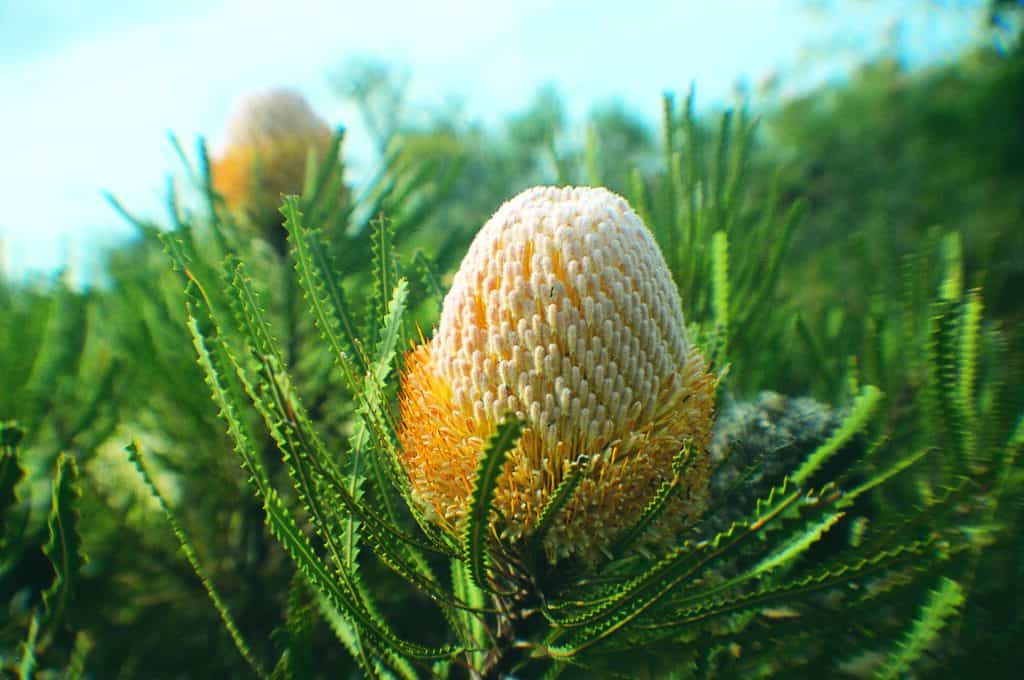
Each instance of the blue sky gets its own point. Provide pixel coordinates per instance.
(92, 88)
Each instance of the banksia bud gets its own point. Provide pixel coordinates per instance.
(563, 313)
(269, 139)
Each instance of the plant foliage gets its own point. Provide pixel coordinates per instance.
(882, 541)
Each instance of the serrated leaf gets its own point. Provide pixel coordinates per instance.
(654, 507)
(951, 251)
(11, 472)
(563, 492)
(249, 314)
(176, 249)
(327, 167)
(64, 545)
(390, 331)
(324, 295)
(384, 274)
(967, 372)
(79, 653)
(639, 595)
(27, 665)
(431, 278)
(307, 459)
(942, 413)
(345, 596)
(857, 419)
(798, 545)
(227, 400)
(327, 303)
(901, 464)
(476, 535)
(297, 660)
(943, 604)
(829, 576)
(720, 294)
(627, 601)
(135, 456)
(471, 625)
(349, 636)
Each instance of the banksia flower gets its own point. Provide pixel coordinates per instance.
(564, 314)
(269, 139)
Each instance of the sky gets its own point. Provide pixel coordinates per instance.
(91, 89)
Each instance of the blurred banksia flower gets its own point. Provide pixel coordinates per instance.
(270, 137)
(565, 314)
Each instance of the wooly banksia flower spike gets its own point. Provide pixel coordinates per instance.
(269, 138)
(563, 313)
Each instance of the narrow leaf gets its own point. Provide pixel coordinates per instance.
(798, 545)
(64, 546)
(943, 603)
(654, 507)
(563, 492)
(720, 293)
(860, 414)
(11, 472)
(348, 600)
(475, 538)
(135, 455)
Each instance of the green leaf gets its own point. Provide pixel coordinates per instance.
(563, 492)
(59, 352)
(327, 304)
(668, 225)
(346, 596)
(27, 666)
(176, 249)
(655, 506)
(250, 316)
(476, 535)
(470, 623)
(942, 605)
(328, 166)
(362, 652)
(798, 545)
(79, 653)
(324, 295)
(901, 464)
(64, 546)
(829, 576)
(390, 332)
(397, 553)
(351, 525)
(11, 472)
(225, 396)
(385, 274)
(952, 262)
(680, 573)
(309, 463)
(860, 414)
(135, 456)
(430, 276)
(814, 345)
(967, 374)
(300, 619)
(626, 602)
(942, 412)
(638, 196)
(720, 294)
(1017, 437)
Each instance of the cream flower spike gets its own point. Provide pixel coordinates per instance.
(564, 313)
(269, 139)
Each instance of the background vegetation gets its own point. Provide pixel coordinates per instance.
(874, 232)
